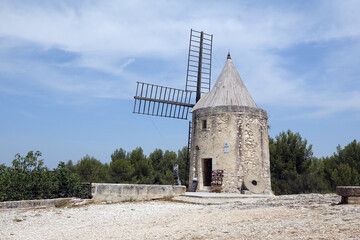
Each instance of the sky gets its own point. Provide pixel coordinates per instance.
(68, 70)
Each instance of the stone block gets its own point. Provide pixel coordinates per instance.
(353, 200)
(348, 191)
(127, 189)
(349, 194)
(42, 203)
(179, 190)
(103, 192)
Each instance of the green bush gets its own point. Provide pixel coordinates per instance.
(28, 179)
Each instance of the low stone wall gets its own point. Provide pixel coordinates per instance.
(103, 192)
(41, 203)
(133, 192)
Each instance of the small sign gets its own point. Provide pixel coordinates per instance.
(193, 187)
(226, 147)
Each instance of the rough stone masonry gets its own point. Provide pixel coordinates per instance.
(230, 133)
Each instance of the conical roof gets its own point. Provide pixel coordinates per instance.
(229, 90)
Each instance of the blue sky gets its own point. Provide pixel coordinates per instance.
(68, 70)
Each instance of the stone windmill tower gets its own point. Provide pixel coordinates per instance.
(229, 139)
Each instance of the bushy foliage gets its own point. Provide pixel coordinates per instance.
(133, 167)
(290, 157)
(66, 183)
(295, 170)
(28, 178)
(90, 170)
(343, 167)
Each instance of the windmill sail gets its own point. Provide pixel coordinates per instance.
(198, 77)
(155, 100)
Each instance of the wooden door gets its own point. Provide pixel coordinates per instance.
(207, 170)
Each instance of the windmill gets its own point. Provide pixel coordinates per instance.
(162, 101)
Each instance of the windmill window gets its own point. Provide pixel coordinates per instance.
(203, 124)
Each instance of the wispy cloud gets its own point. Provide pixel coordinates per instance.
(109, 38)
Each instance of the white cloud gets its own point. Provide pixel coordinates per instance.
(110, 36)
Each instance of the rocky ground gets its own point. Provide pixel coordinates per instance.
(307, 216)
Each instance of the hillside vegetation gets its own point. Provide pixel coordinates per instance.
(294, 170)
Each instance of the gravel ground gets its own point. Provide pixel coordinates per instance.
(307, 216)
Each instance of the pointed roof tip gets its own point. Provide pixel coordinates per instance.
(229, 90)
(228, 56)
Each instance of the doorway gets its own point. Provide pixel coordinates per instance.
(207, 170)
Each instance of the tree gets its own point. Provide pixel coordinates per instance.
(183, 161)
(163, 165)
(315, 179)
(143, 167)
(290, 157)
(92, 170)
(344, 175)
(350, 155)
(70, 165)
(5, 183)
(66, 183)
(28, 178)
(166, 168)
(121, 168)
(170, 158)
(343, 167)
(122, 171)
(156, 158)
(119, 154)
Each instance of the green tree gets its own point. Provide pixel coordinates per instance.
(119, 154)
(121, 168)
(70, 165)
(344, 175)
(5, 183)
(156, 158)
(350, 155)
(315, 178)
(28, 178)
(290, 158)
(343, 167)
(166, 167)
(122, 171)
(169, 159)
(66, 183)
(183, 161)
(92, 170)
(143, 167)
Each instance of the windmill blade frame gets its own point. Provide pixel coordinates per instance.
(198, 74)
(162, 101)
(156, 100)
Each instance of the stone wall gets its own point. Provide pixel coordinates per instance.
(245, 131)
(133, 192)
(253, 148)
(103, 192)
(39, 203)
